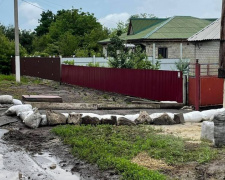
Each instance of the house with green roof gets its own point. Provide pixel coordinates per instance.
(165, 38)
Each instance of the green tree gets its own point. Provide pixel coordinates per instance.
(122, 57)
(7, 50)
(46, 19)
(143, 15)
(68, 43)
(71, 32)
(26, 40)
(118, 54)
(25, 37)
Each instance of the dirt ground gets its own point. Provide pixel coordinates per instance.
(34, 142)
(188, 130)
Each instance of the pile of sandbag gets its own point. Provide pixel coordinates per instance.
(7, 99)
(197, 116)
(33, 119)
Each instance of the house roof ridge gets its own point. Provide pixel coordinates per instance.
(148, 18)
(204, 28)
(159, 27)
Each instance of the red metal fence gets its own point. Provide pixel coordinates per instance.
(205, 88)
(46, 68)
(149, 84)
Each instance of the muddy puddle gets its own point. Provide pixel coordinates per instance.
(17, 164)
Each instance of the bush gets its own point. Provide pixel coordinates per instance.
(69, 62)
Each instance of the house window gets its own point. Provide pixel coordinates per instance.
(163, 52)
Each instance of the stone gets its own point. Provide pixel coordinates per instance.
(143, 118)
(124, 121)
(179, 118)
(87, 120)
(53, 166)
(164, 119)
(74, 119)
(111, 121)
(55, 118)
(219, 129)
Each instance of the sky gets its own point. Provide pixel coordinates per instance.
(108, 12)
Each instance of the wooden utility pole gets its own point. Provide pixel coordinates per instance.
(221, 73)
(17, 50)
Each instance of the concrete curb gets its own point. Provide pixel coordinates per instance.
(92, 106)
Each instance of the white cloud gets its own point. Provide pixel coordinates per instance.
(29, 15)
(111, 20)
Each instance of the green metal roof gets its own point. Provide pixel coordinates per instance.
(139, 25)
(177, 27)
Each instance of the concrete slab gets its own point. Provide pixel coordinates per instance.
(4, 120)
(64, 106)
(41, 98)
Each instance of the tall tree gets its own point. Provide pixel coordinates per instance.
(70, 32)
(46, 19)
(7, 50)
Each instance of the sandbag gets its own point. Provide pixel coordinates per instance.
(44, 121)
(17, 102)
(131, 117)
(74, 118)
(207, 115)
(92, 115)
(33, 120)
(6, 99)
(66, 115)
(17, 109)
(23, 115)
(194, 116)
(207, 132)
(156, 115)
(55, 118)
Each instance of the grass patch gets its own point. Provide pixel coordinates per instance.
(12, 79)
(112, 147)
(8, 85)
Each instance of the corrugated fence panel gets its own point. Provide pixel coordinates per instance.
(211, 91)
(150, 84)
(46, 68)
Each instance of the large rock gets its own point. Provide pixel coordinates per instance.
(143, 118)
(55, 118)
(219, 129)
(87, 120)
(179, 118)
(164, 119)
(124, 121)
(74, 119)
(111, 121)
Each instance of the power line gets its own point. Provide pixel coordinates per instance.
(54, 3)
(33, 5)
